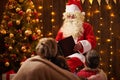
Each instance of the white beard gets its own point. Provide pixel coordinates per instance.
(72, 27)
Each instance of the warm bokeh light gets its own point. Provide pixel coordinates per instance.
(112, 15)
(51, 6)
(40, 7)
(88, 14)
(109, 7)
(108, 40)
(52, 13)
(97, 38)
(96, 11)
(111, 53)
(98, 31)
(52, 20)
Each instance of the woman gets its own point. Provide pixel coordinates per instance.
(40, 66)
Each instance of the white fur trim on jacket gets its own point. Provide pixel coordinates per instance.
(86, 45)
(79, 56)
(72, 8)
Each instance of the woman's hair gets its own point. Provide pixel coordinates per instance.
(46, 48)
(92, 59)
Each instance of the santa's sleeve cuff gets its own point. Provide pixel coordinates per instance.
(86, 45)
(79, 56)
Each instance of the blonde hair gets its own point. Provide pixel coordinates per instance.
(46, 48)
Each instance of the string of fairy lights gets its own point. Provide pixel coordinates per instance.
(112, 15)
(40, 10)
(52, 18)
(108, 40)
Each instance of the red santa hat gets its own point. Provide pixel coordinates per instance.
(73, 6)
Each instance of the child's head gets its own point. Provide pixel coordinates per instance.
(92, 59)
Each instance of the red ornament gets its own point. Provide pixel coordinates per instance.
(10, 24)
(34, 37)
(20, 12)
(6, 45)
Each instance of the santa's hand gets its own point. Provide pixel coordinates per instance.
(78, 46)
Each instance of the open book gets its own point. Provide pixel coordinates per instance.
(66, 46)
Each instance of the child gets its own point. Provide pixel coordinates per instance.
(91, 70)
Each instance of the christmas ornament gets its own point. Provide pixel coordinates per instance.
(6, 17)
(10, 6)
(38, 31)
(21, 12)
(10, 48)
(3, 31)
(28, 11)
(37, 20)
(18, 9)
(10, 24)
(7, 64)
(33, 21)
(23, 47)
(28, 32)
(18, 22)
(32, 7)
(11, 35)
(3, 21)
(28, 18)
(34, 37)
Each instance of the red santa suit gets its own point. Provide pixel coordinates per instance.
(87, 39)
(88, 42)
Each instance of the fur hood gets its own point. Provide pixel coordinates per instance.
(100, 76)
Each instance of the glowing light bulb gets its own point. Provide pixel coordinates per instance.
(40, 7)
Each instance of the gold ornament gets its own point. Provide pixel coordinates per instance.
(10, 48)
(3, 21)
(18, 9)
(32, 6)
(11, 35)
(11, 7)
(28, 11)
(28, 32)
(37, 20)
(33, 20)
(28, 18)
(23, 48)
(3, 31)
(38, 31)
(7, 64)
(18, 22)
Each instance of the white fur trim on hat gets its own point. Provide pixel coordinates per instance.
(72, 8)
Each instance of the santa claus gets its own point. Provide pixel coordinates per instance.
(81, 31)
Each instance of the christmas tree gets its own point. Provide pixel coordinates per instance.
(19, 33)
